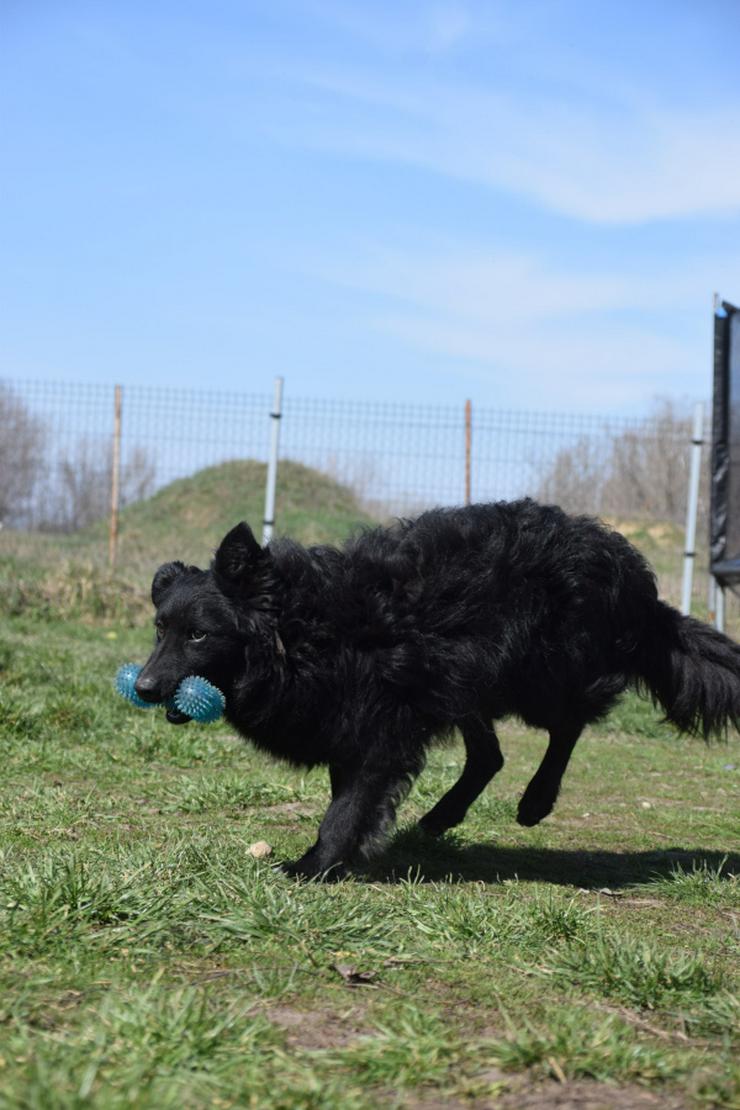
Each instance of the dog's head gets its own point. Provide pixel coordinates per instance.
(204, 618)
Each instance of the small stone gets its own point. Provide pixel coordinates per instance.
(646, 805)
(260, 849)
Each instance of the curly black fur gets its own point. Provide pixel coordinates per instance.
(360, 657)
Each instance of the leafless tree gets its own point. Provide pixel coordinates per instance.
(576, 477)
(84, 487)
(21, 457)
(649, 468)
(137, 478)
(81, 493)
(634, 473)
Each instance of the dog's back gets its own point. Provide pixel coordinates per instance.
(508, 607)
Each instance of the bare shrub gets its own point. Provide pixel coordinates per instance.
(81, 492)
(21, 457)
(84, 488)
(640, 472)
(576, 477)
(649, 468)
(137, 477)
(363, 476)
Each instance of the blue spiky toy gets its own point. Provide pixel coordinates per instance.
(125, 685)
(195, 697)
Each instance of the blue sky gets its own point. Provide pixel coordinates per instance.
(529, 203)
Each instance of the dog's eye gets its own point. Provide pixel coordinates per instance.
(159, 628)
(196, 636)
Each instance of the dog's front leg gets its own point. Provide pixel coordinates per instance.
(363, 806)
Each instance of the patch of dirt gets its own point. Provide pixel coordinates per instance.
(53, 1013)
(439, 1102)
(314, 1029)
(299, 809)
(518, 1093)
(585, 1095)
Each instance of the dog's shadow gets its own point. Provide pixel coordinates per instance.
(412, 854)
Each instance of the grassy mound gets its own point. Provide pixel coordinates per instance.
(67, 575)
(187, 518)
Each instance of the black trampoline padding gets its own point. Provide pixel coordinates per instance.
(724, 524)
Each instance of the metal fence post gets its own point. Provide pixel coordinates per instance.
(272, 462)
(697, 439)
(711, 598)
(719, 614)
(115, 478)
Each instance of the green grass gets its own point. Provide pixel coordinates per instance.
(147, 959)
(67, 575)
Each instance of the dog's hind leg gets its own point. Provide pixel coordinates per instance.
(540, 796)
(483, 760)
(363, 807)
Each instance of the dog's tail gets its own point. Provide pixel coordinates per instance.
(693, 671)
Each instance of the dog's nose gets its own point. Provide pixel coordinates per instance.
(147, 688)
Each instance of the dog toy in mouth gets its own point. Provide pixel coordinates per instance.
(195, 697)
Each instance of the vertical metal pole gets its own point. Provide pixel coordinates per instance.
(272, 461)
(115, 479)
(719, 619)
(712, 599)
(468, 448)
(716, 591)
(689, 555)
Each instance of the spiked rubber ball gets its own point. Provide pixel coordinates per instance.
(125, 685)
(195, 697)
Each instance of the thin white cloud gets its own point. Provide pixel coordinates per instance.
(544, 334)
(448, 25)
(583, 365)
(406, 29)
(498, 287)
(625, 162)
(505, 286)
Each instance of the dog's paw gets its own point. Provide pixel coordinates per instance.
(532, 810)
(309, 871)
(442, 818)
(433, 826)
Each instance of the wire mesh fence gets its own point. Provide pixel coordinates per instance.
(56, 451)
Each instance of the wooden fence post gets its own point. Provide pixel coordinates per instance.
(115, 479)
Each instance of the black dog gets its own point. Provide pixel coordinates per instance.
(359, 658)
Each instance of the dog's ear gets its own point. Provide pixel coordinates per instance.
(238, 554)
(164, 578)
